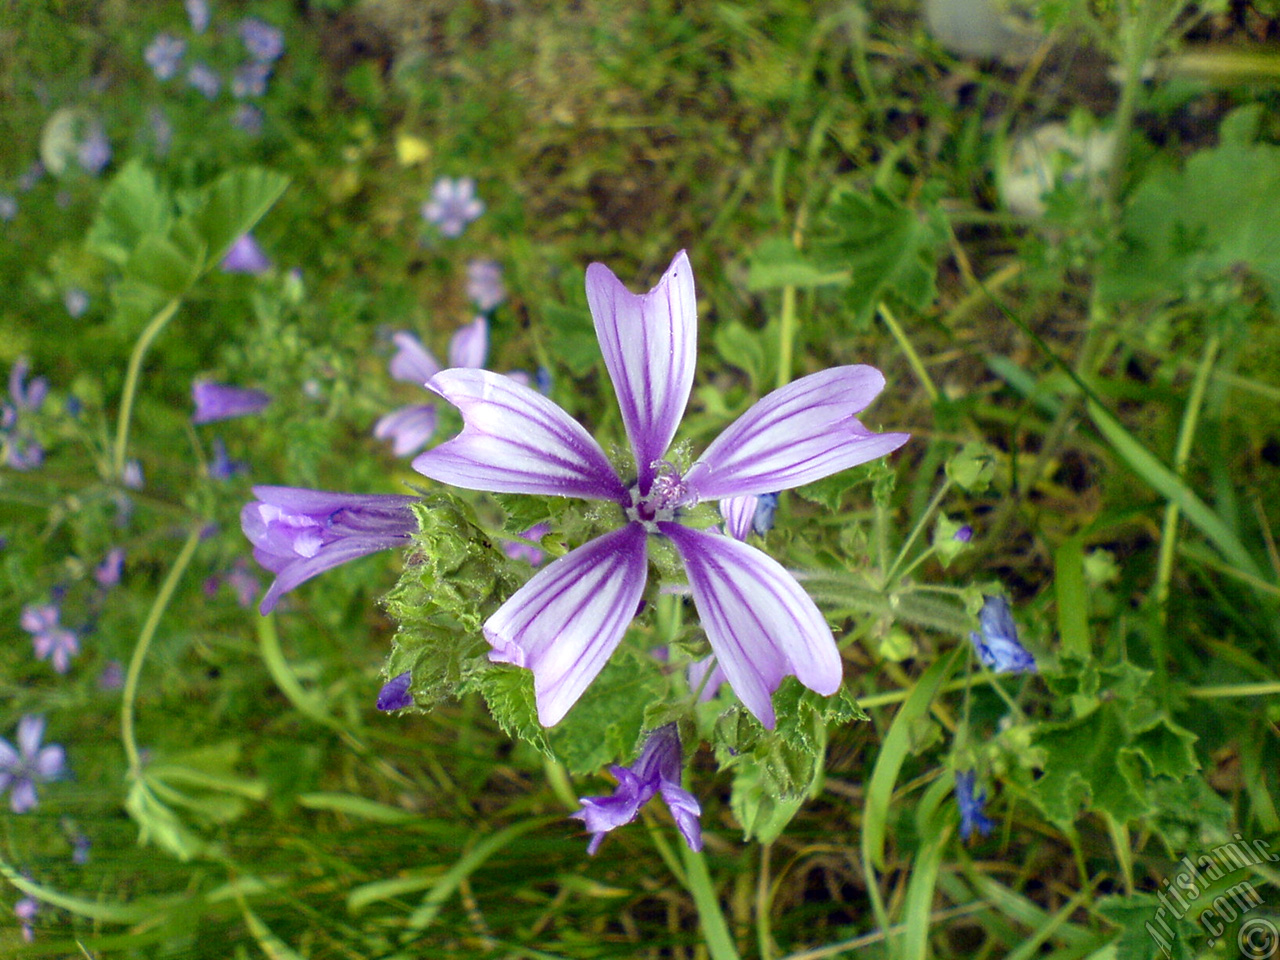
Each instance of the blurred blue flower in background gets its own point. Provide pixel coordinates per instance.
(164, 55)
(205, 79)
(23, 768)
(453, 205)
(264, 42)
(484, 284)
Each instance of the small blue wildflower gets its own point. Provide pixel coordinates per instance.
(161, 130)
(112, 676)
(245, 256)
(971, 816)
(395, 694)
(656, 770)
(250, 80)
(8, 207)
(997, 645)
(25, 910)
(23, 768)
(453, 205)
(203, 78)
(198, 14)
(964, 534)
(31, 176)
(51, 640)
(221, 466)
(164, 55)
(264, 42)
(94, 152)
(108, 572)
(76, 301)
(80, 846)
(542, 379)
(484, 284)
(26, 396)
(132, 476)
(248, 118)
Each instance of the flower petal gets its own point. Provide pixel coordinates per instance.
(514, 440)
(650, 346)
(470, 344)
(331, 555)
(23, 796)
(50, 761)
(30, 733)
(738, 512)
(798, 434)
(412, 363)
(566, 621)
(761, 624)
(409, 428)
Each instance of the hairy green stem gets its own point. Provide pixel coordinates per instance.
(140, 348)
(144, 642)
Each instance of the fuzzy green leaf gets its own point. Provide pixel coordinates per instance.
(233, 204)
(132, 207)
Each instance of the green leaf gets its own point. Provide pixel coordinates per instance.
(1142, 935)
(1085, 767)
(889, 249)
(761, 812)
(742, 348)
(133, 206)
(571, 337)
(776, 263)
(508, 692)
(972, 467)
(233, 204)
(605, 724)
(1166, 749)
(160, 263)
(1071, 596)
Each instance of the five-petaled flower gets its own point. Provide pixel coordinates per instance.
(297, 533)
(23, 768)
(52, 641)
(409, 428)
(997, 644)
(656, 770)
(971, 816)
(567, 620)
(453, 205)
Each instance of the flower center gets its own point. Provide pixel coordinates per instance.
(667, 493)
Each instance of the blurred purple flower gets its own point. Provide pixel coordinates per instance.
(250, 80)
(26, 396)
(161, 130)
(198, 14)
(964, 534)
(264, 42)
(656, 770)
(203, 78)
(22, 769)
(108, 572)
(567, 620)
(245, 256)
(243, 583)
(248, 118)
(297, 533)
(997, 645)
(80, 847)
(395, 694)
(971, 816)
(8, 207)
(76, 301)
(528, 552)
(484, 284)
(132, 476)
(453, 205)
(52, 641)
(409, 428)
(95, 149)
(31, 176)
(222, 467)
(112, 676)
(705, 677)
(219, 401)
(164, 55)
(25, 910)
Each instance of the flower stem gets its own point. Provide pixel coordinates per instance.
(144, 642)
(714, 928)
(153, 328)
(913, 358)
(786, 335)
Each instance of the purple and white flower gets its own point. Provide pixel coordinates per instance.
(164, 55)
(245, 256)
(297, 533)
(997, 644)
(52, 641)
(264, 42)
(409, 428)
(453, 205)
(23, 768)
(567, 620)
(219, 401)
(744, 515)
(484, 284)
(656, 770)
(705, 678)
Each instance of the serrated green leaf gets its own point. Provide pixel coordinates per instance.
(1085, 767)
(133, 206)
(508, 691)
(1142, 934)
(889, 249)
(759, 810)
(1166, 749)
(776, 263)
(829, 491)
(233, 204)
(523, 511)
(605, 724)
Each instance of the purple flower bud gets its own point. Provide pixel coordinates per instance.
(453, 205)
(395, 694)
(656, 770)
(299, 533)
(222, 467)
(964, 534)
(112, 676)
(971, 816)
(132, 476)
(203, 78)
(25, 910)
(218, 401)
(263, 41)
(245, 256)
(484, 284)
(164, 55)
(26, 396)
(997, 645)
(23, 768)
(108, 572)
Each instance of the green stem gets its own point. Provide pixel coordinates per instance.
(1268, 689)
(913, 358)
(764, 936)
(714, 928)
(786, 335)
(891, 576)
(144, 642)
(140, 348)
